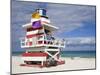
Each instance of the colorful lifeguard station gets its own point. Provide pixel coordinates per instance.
(41, 48)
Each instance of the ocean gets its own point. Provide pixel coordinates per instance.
(81, 54)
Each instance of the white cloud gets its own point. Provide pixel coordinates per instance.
(80, 43)
(70, 17)
(66, 17)
(80, 40)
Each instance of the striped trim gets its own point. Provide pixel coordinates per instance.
(33, 35)
(32, 29)
(34, 54)
(35, 32)
(32, 32)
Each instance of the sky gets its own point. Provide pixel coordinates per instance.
(77, 23)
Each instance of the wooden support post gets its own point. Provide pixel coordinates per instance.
(53, 56)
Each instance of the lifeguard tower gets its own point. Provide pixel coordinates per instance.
(42, 48)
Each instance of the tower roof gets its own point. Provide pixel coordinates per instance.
(46, 26)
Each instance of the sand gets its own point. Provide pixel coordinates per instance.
(75, 63)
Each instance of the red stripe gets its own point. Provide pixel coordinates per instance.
(32, 35)
(31, 29)
(35, 54)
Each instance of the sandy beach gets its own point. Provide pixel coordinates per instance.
(70, 64)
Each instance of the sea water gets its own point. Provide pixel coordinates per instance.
(81, 54)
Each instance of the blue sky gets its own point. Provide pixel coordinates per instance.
(76, 23)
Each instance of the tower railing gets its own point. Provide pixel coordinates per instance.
(42, 42)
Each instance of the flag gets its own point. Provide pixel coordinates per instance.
(36, 24)
(42, 12)
(36, 15)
